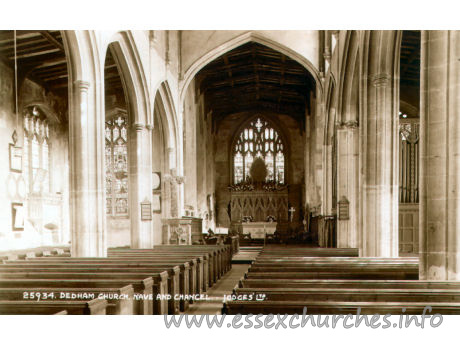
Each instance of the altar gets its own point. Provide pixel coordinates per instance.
(258, 230)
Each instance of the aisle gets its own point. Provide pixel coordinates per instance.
(246, 255)
(223, 287)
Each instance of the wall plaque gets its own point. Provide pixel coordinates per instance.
(344, 209)
(156, 180)
(156, 203)
(17, 213)
(15, 158)
(146, 210)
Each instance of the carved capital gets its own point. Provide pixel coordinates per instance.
(149, 127)
(180, 179)
(138, 126)
(82, 85)
(380, 80)
(167, 177)
(348, 125)
(327, 55)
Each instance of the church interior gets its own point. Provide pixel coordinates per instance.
(317, 168)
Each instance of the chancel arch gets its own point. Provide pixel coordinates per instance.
(243, 39)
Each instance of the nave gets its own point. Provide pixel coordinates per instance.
(145, 156)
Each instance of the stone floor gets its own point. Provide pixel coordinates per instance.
(216, 293)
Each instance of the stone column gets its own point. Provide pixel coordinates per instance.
(87, 193)
(140, 185)
(380, 202)
(440, 156)
(347, 183)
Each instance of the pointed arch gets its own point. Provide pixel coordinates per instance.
(126, 55)
(348, 93)
(239, 41)
(330, 111)
(164, 105)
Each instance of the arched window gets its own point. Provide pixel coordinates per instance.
(259, 139)
(116, 160)
(36, 153)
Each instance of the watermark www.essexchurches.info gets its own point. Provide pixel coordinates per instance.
(294, 321)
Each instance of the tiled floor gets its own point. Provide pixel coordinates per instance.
(216, 293)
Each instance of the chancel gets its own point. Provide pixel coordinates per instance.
(281, 163)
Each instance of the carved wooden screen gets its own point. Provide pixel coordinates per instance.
(259, 139)
(116, 162)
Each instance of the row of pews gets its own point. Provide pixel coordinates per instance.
(163, 280)
(284, 280)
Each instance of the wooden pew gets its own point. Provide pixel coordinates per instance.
(199, 264)
(218, 255)
(141, 288)
(93, 307)
(351, 295)
(191, 269)
(120, 275)
(206, 268)
(302, 251)
(335, 307)
(295, 259)
(336, 274)
(221, 254)
(349, 284)
(160, 274)
(120, 300)
(194, 273)
(178, 272)
(358, 270)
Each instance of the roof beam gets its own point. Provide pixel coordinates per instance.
(52, 40)
(256, 72)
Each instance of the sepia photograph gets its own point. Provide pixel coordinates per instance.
(304, 174)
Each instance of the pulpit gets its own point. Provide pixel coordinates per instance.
(185, 230)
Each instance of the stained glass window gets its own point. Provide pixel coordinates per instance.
(36, 152)
(116, 162)
(259, 139)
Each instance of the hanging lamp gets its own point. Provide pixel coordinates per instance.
(15, 133)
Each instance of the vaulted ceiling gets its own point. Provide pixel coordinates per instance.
(254, 77)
